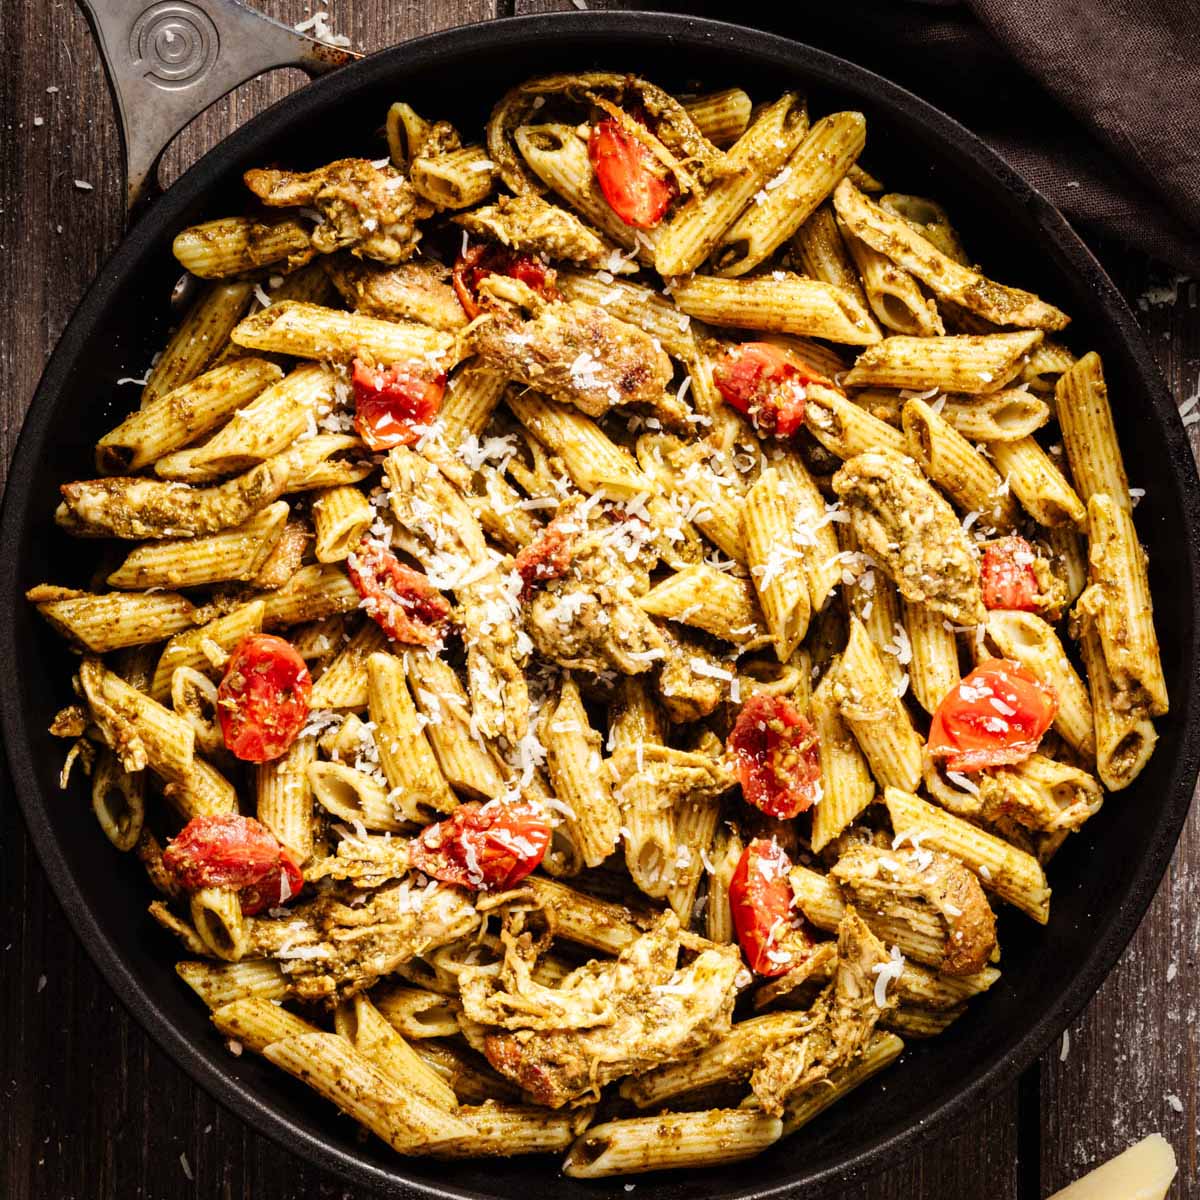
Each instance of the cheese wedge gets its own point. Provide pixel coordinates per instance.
(1143, 1172)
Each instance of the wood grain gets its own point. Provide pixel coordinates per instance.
(89, 1108)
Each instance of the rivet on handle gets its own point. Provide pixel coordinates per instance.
(168, 60)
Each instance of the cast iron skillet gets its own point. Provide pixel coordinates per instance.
(1104, 877)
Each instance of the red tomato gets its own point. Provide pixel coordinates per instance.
(401, 601)
(1009, 580)
(628, 175)
(262, 702)
(776, 756)
(996, 716)
(549, 554)
(484, 259)
(489, 847)
(237, 852)
(760, 898)
(768, 384)
(392, 404)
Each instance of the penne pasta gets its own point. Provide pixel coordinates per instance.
(966, 363)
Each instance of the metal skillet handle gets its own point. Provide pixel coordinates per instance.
(168, 60)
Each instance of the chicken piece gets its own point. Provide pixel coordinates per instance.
(912, 532)
(329, 950)
(499, 694)
(587, 619)
(688, 681)
(528, 224)
(850, 1008)
(412, 291)
(888, 882)
(1039, 794)
(577, 353)
(610, 1020)
(368, 862)
(370, 210)
(286, 558)
(677, 776)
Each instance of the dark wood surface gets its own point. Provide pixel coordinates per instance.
(91, 1110)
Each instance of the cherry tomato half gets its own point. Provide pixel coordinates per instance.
(393, 405)
(486, 259)
(629, 176)
(766, 383)
(996, 716)
(262, 703)
(776, 756)
(1009, 580)
(488, 847)
(760, 897)
(237, 852)
(401, 601)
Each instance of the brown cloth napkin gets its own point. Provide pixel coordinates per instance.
(1095, 102)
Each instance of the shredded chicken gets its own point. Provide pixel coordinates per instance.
(531, 225)
(411, 291)
(690, 680)
(577, 353)
(677, 776)
(894, 882)
(850, 1011)
(912, 532)
(329, 949)
(370, 210)
(606, 1019)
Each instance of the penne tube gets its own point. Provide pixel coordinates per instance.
(725, 856)
(417, 1013)
(820, 252)
(790, 196)
(233, 554)
(591, 922)
(578, 777)
(1011, 873)
(847, 786)
(968, 363)
(238, 245)
(1037, 482)
(1116, 603)
(1004, 416)
(929, 219)
(254, 1022)
(1069, 556)
(110, 621)
(951, 462)
(311, 331)
(505, 1129)
(284, 797)
(416, 781)
(947, 279)
(1040, 794)
(870, 707)
(313, 593)
(815, 528)
(1047, 361)
(933, 668)
(341, 518)
(118, 800)
(845, 429)
(181, 416)
(781, 302)
(708, 599)
(343, 683)
(1029, 640)
(268, 425)
(636, 304)
(454, 179)
(919, 1022)
(219, 984)
(695, 824)
(354, 796)
(1088, 434)
(693, 231)
(776, 556)
(217, 915)
(881, 1050)
(898, 303)
(671, 1140)
(722, 116)
(201, 336)
(1125, 734)
(471, 398)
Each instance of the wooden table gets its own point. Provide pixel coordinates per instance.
(91, 1110)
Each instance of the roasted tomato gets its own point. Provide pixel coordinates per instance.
(401, 601)
(1009, 580)
(776, 755)
(760, 897)
(262, 702)
(549, 554)
(487, 259)
(237, 852)
(629, 176)
(393, 405)
(488, 847)
(767, 384)
(996, 716)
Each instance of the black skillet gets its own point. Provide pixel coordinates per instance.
(1104, 877)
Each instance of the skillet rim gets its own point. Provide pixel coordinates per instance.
(201, 1063)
